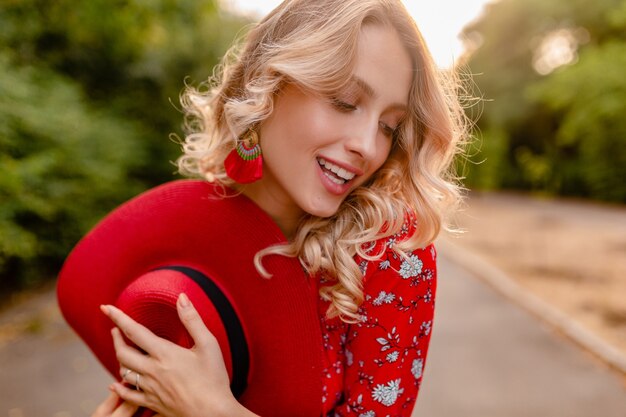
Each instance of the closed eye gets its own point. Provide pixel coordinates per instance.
(342, 105)
(388, 130)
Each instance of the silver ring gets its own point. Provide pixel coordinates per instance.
(137, 382)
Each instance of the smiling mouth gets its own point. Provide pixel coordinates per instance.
(335, 173)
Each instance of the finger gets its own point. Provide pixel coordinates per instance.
(130, 396)
(107, 406)
(127, 355)
(132, 377)
(125, 409)
(137, 333)
(193, 322)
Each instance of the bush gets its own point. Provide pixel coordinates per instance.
(88, 94)
(590, 98)
(552, 74)
(63, 164)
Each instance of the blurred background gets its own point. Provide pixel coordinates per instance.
(89, 93)
(89, 117)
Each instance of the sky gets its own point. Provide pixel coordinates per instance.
(440, 21)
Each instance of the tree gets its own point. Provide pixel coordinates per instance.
(62, 164)
(88, 94)
(131, 57)
(519, 45)
(590, 99)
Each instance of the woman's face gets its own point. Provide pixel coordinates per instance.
(317, 150)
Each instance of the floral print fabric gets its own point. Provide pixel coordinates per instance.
(374, 367)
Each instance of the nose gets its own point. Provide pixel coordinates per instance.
(363, 139)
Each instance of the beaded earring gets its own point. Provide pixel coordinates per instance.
(244, 164)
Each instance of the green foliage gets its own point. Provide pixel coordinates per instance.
(590, 98)
(88, 94)
(131, 57)
(62, 164)
(562, 129)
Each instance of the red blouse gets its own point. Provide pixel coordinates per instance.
(374, 368)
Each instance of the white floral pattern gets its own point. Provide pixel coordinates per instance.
(388, 394)
(384, 297)
(417, 368)
(375, 366)
(385, 264)
(411, 267)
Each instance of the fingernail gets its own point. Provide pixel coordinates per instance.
(184, 301)
(105, 309)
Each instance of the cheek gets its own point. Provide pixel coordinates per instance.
(383, 154)
(319, 123)
(302, 127)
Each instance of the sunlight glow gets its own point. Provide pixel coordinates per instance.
(558, 48)
(440, 21)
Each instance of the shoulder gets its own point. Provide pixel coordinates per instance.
(394, 268)
(399, 289)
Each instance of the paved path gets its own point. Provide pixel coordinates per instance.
(488, 358)
(47, 372)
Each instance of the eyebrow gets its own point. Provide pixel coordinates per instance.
(365, 87)
(369, 91)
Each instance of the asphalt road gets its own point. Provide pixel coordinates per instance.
(488, 358)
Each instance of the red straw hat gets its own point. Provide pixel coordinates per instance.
(184, 237)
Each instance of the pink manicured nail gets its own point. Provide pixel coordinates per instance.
(184, 301)
(105, 309)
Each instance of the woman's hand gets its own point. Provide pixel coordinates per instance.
(109, 408)
(169, 379)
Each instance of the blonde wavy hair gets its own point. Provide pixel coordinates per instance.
(313, 43)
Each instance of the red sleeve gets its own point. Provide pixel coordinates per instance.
(386, 351)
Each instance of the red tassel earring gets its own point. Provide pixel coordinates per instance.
(244, 164)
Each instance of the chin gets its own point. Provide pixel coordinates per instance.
(328, 210)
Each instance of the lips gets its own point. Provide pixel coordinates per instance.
(335, 173)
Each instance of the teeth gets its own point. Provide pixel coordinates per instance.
(335, 179)
(340, 172)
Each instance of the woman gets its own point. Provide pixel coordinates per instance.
(334, 120)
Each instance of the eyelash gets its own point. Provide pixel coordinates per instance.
(390, 132)
(343, 106)
(347, 107)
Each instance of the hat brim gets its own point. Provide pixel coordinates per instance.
(189, 223)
